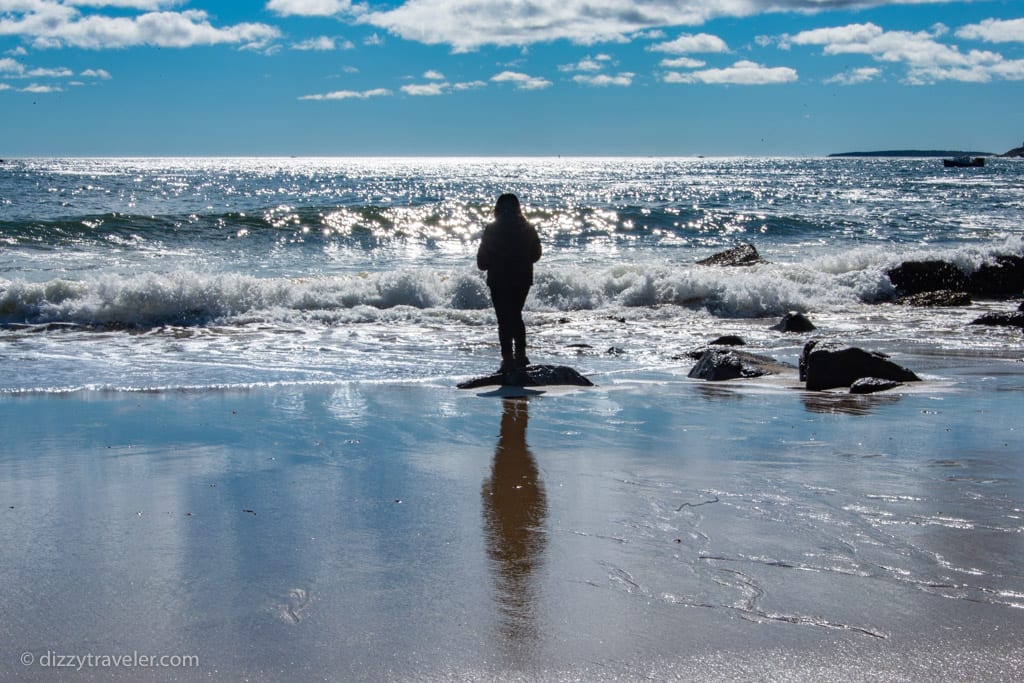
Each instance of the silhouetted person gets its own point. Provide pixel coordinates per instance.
(515, 510)
(509, 248)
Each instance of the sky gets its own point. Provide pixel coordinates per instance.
(508, 77)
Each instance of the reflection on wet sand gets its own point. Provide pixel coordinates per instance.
(850, 404)
(514, 512)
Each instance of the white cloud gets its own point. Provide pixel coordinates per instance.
(101, 74)
(60, 72)
(686, 43)
(586, 64)
(373, 40)
(11, 66)
(323, 44)
(522, 81)
(856, 76)
(425, 89)
(4, 86)
(308, 8)
(432, 75)
(51, 25)
(623, 79)
(927, 60)
(349, 95)
(37, 89)
(470, 85)
(741, 73)
(682, 63)
(994, 31)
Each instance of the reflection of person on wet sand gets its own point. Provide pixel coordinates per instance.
(514, 511)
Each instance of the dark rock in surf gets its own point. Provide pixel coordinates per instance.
(531, 376)
(914, 277)
(725, 340)
(742, 255)
(829, 366)
(1021, 306)
(728, 340)
(871, 385)
(1015, 319)
(716, 365)
(941, 297)
(1002, 279)
(794, 322)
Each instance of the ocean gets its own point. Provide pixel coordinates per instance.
(193, 273)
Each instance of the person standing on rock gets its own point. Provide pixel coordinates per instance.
(508, 249)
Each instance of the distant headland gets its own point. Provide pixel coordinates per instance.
(1016, 152)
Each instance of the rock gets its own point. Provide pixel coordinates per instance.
(716, 365)
(742, 255)
(914, 277)
(1002, 279)
(941, 297)
(1015, 319)
(828, 366)
(794, 322)
(870, 385)
(531, 376)
(1021, 306)
(728, 340)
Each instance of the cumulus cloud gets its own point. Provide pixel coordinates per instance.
(686, 43)
(856, 76)
(4, 86)
(469, 24)
(623, 79)
(11, 66)
(37, 89)
(101, 74)
(48, 24)
(432, 75)
(59, 72)
(348, 95)
(587, 64)
(522, 81)
(994, 31)
(308, 8)
(323, 44)
(425, 89)
(682, 63)
(741, 73)
(927, 60)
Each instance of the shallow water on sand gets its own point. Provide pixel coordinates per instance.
(645, 527)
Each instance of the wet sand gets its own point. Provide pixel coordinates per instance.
(645, 528)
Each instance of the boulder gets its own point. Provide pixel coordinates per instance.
(1002, 279)
(725, 340)
(794, 322)
(828, 366)
(742, 255)
(914, 277)
(871, 385)
(531, 376)
(940, 297)
(1014, 319)
(716, 365)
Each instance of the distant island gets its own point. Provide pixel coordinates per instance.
(914, 153)
(1015, 152)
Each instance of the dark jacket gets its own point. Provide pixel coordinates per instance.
(509, 248)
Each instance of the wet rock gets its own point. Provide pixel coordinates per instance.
(716, 365)
(914, 277)
(794, 322)
(828, 366)
(1015, 319)
(871, 385)
(728, 340)
(941, 297)
(1021, 306)
(742, 255)
(1002, 279)
(531, 376)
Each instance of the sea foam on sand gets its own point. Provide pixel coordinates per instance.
(642, 528)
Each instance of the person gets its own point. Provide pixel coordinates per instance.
(508, 249)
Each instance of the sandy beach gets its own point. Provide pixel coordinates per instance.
(650, 527)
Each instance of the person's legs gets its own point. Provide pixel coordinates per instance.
(508, 307)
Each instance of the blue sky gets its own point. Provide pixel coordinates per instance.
(510, 77)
